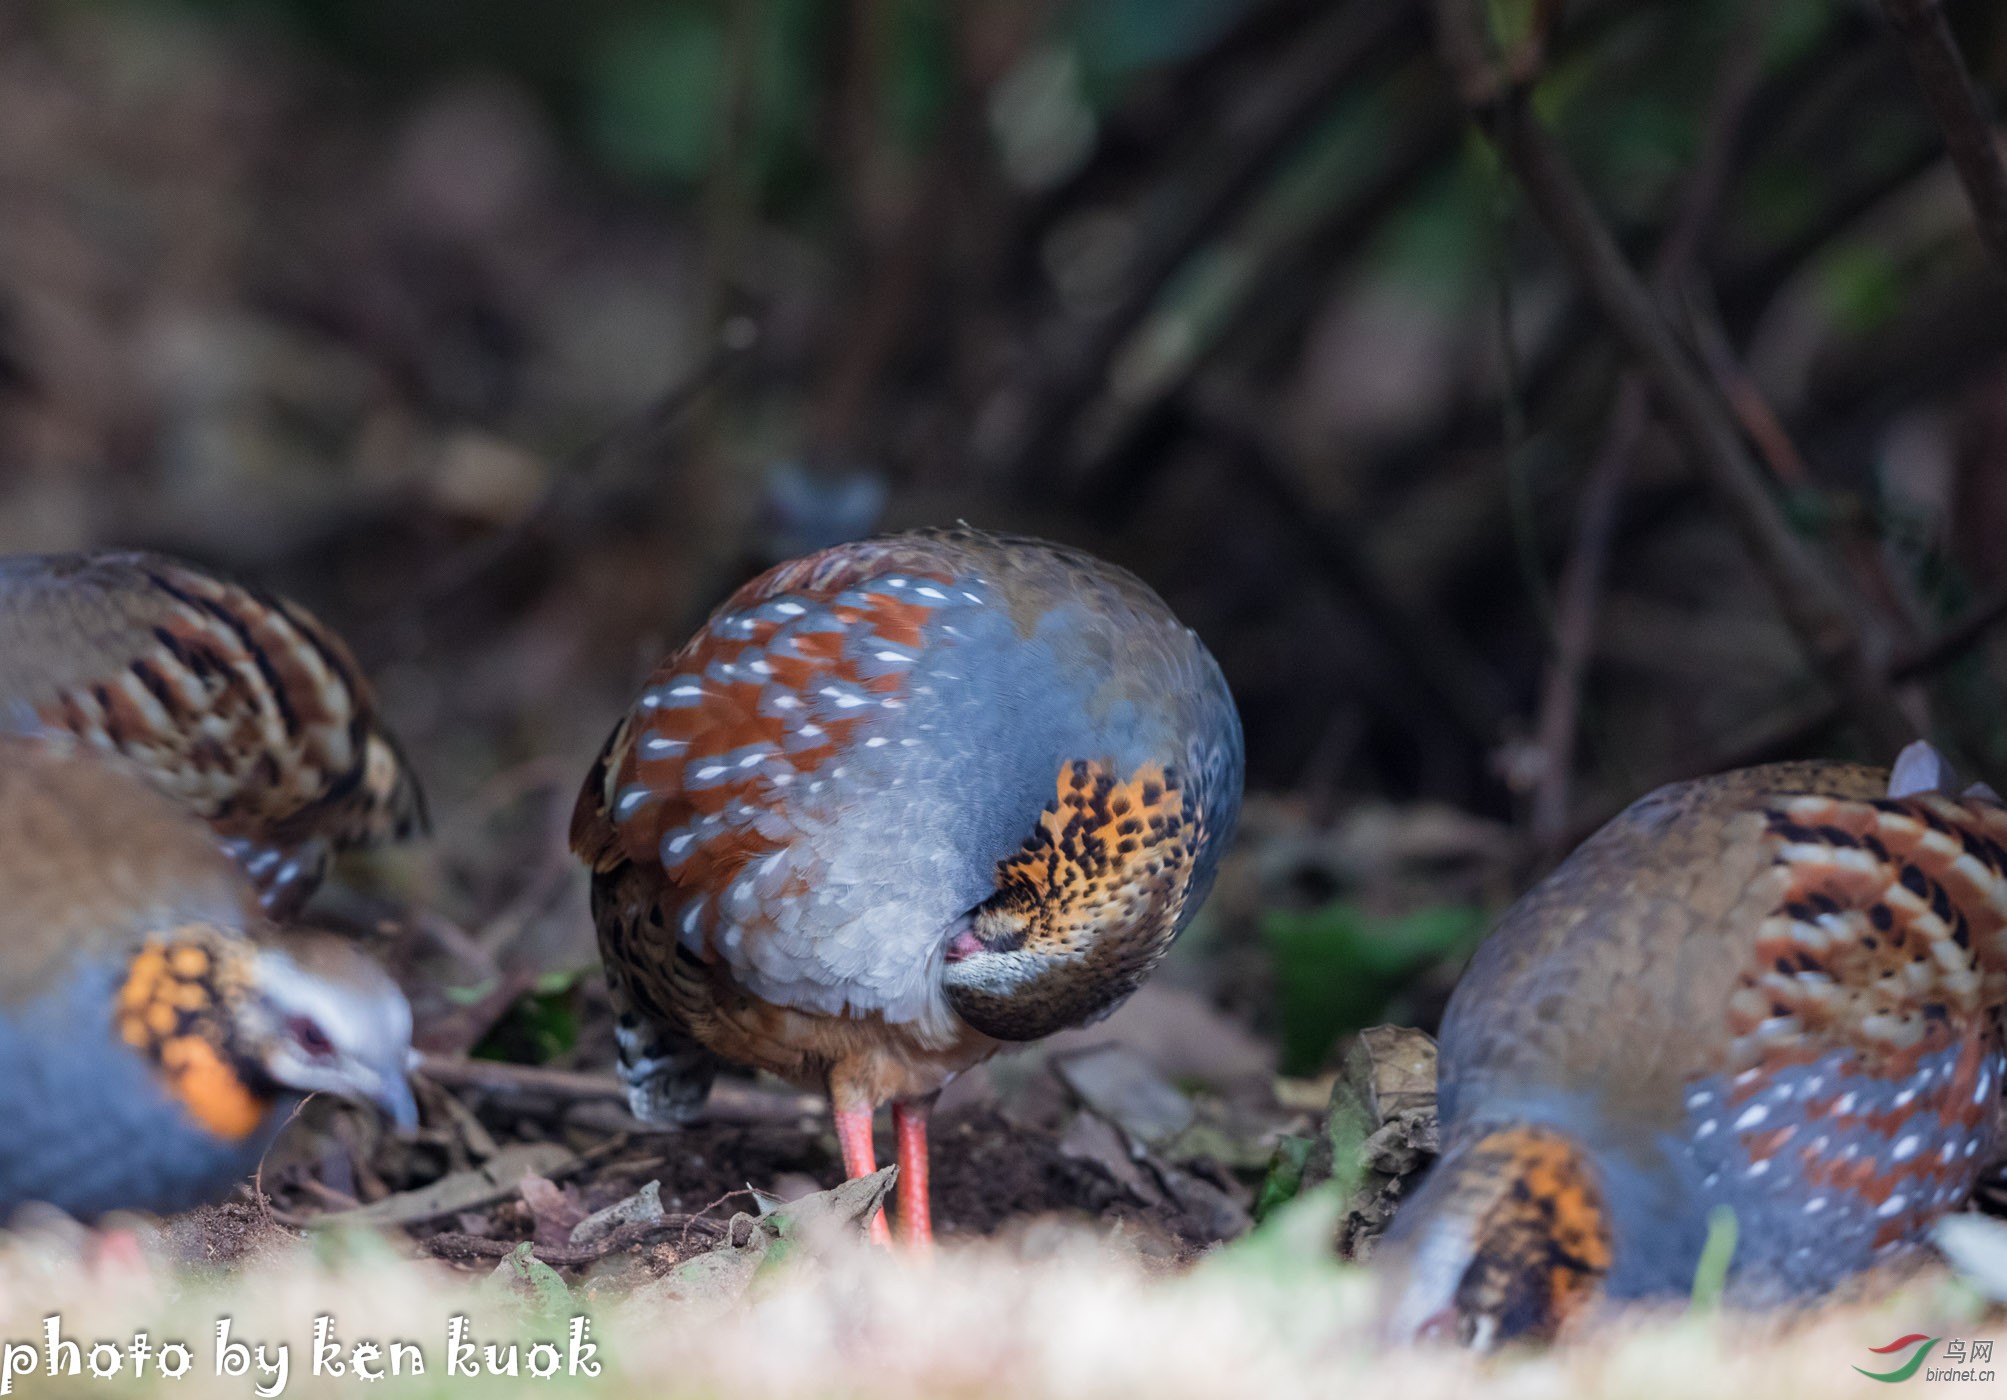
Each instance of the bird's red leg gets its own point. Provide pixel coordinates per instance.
(860, 1158)
(909, 1122)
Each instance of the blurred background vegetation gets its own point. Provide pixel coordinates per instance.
(510, 336)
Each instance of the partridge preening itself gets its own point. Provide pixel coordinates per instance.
(154, 1034)
(897, 805)
(1775, 993)
(237, 703)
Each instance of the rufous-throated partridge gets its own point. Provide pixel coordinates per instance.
(236, 702)
(1778, 992)
(154, 1034)
(898, 804)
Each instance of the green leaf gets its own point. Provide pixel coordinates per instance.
(552, 984)
(1440, 243)
(1294, 1241)
(1710, 1276)
(548, 1293)
(1285, 1175)
(541, 1024)
(1336, 968)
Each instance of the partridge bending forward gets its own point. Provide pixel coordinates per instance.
(238, 703)
(153, 1037)
(898, 803)
(1777, 991)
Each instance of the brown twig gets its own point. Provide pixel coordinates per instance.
(336, 1200)
(1554, 362)
(683, 1239)
(1805, 596)
(1575, 609)
(730, 1102)
(257, 1184)
(1766, 430)
(1556, 727)
(1955, 102)
(1752, 408)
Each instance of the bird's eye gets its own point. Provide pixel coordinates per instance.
(308, 1035)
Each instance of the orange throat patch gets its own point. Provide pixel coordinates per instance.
(1104, 850)
(173, 1008)
(1086, 907)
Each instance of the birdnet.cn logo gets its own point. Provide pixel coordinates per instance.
(1963, 1360)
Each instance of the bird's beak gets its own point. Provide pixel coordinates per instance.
(393, 1096)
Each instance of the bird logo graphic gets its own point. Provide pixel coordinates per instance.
(1909, 1367)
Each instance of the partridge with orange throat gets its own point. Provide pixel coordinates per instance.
(154, 1032)
(238, 703)
(897, 805)
(1774, 994)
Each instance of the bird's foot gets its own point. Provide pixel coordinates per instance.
(860, 1158)
(916, 1224)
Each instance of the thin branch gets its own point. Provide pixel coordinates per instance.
(730, 1102)
(1807, 599)
(1557, 727)
(1576, 599)
(1955, 102)
(1556, 360)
